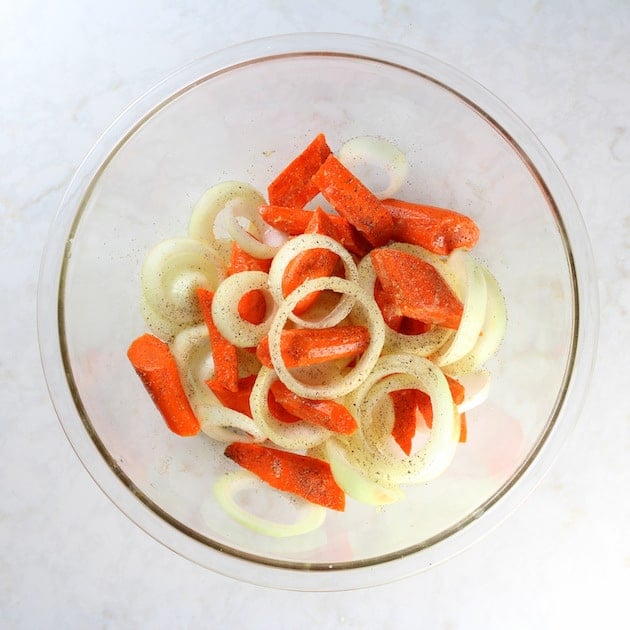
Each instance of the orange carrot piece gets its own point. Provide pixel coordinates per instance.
(388, 309)
(237, 400)
(353, 201)
(339, 229)
(410, 326)
(223, 352)
(252, 307)
(278, 411)
(405, 417)
(293, 186)
(156, 367)
(463, 428)
(416, 288)
(292, 221)
(305, 346)
(308, 265)
(305, 476)
(326, 413)
(437, 229)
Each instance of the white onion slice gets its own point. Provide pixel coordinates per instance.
(354, 483)
(246, 240)
(492, 331)
(294, 435)
(293, 248)
(353, 378)
(474, 297)
(361, 155)
(231, 325)
(171, 273)
(204, 215)
(438, 451)
(422, 344)
(226, 425)
(476, 388)
(309, 515)
(161, 327)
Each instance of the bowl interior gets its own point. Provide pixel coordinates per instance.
(246, 122)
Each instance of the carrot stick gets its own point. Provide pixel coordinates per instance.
(308, 265)
(306, 476)
(405, 417)
(156, 367)
(293, 186)
(338, 228)
(252, 307)
(305, 346)
(223, 352)
(237, 400)
(436, 229)
(326, 413)
(292, 221)
(353, 201)
(278, 411)
(463, 428)
(416, 288)
(388, 309)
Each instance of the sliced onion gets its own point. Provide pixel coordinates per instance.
(422, 344)
(231, 325)
(476, 388)
(171, 273)
(370, 151)
(293, 248)
(436, 454)
(163, 328)
(353, 378)
(226, 425)
(294, 435)
(204, 215)
(492, 331)
(354, 483)
(309, 515)
(243, 237)
(474, 296)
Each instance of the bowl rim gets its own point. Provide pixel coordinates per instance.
(282, 574)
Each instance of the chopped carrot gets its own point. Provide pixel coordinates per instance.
(305, 476)
(223, 352)
(388, 309)
(353, 201)
(339, 229)
(405, 417)
(252, 307)
(294, 185)
(326, 413)
(237, 400)
(156, 367)
(457, 390)
(410, 326)
(292, 221)
(308, 265)
(278, 411)
(436, 229)
(463, 428)
(306, 346)
(426, 297)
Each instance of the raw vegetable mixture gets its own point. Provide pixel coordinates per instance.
(334, 342)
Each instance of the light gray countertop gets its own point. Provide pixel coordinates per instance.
(69, 558)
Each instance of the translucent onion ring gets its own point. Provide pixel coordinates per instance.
(352, 379)
(476, 388)
(171, 273)
(231, 325)
(435, 456)
(294, 435)
(493, 331)
(309, 515)
(226, 425)
(213, 201)
(425, 343)
(354, 483)
(293, 248)
(371, 150)
(245, 239)
(475, 301)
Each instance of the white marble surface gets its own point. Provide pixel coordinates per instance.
(69, 558)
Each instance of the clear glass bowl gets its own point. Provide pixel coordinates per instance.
(241, 114)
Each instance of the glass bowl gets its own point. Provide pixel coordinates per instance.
(242, 114)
